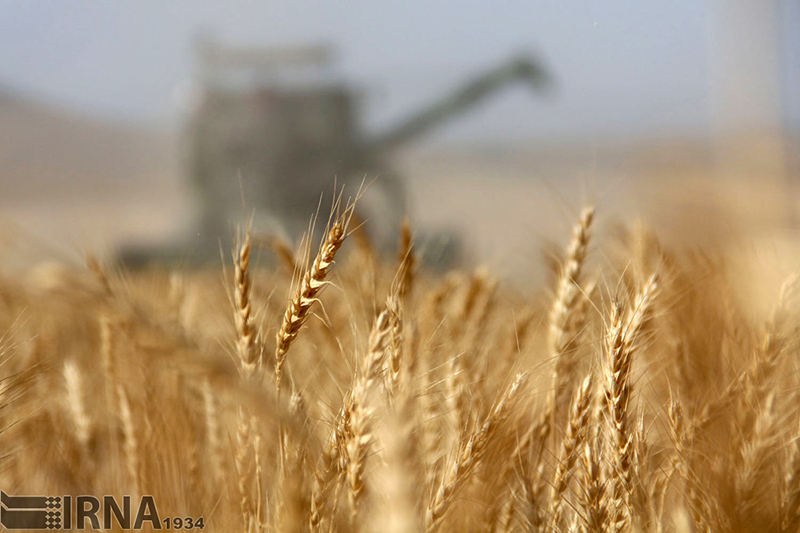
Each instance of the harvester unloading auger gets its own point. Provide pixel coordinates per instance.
(267, 131)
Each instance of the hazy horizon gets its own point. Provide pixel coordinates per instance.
(623, 69)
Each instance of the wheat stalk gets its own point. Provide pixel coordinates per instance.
(76, 405)
(398, 478)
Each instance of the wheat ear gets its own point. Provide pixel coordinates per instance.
(309, 288)
(99, 272)
(407, 259)
(131, 442)
(246, 331)
(284, 252)
(621, 337)
(570, 448)
(593, 493)
(361, 408)
(790, 502)
(211, 417)
(682, 440)
(469, 455)
(394, 361)
(750, 386)
(567, 315)
(82, 424)
(244, 470)
(752, 453)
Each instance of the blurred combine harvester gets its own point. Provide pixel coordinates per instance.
(271, 124)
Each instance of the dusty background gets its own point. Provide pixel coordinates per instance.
(70, 185)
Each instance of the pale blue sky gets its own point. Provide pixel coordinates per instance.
(623, 67)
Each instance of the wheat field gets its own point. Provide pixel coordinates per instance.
(328, 388)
